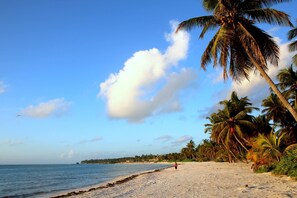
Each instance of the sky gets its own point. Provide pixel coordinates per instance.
(109, 78)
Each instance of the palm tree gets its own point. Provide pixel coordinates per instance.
(232, 125)
(262, 125)
(270, 145)
(231, 128)
(293, 46)
(265, 150)
(213, 118)
(210, 150)
(280, 116)
(274, 110)
(189, 151)
(236, 105)
(238, 42)
(288, 83)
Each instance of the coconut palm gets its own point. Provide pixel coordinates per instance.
(210, 150)
(189, 151)
(232, 125)
(270, 145)
(274, 110)
(293, 46)
(239, 44)
(213, 118)
(236, 105)
(265, 150)
(288, 83)
(262, 125)
(231, 128)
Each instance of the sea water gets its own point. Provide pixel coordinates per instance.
(43, 180)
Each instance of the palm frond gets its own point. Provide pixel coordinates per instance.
(209, 25)
(210, 5)
(268, 3)
(250, 45)
(195, 22)
(295, 59)
(293, 46)
(292, 33)
(270, 16)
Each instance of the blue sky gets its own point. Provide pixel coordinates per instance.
(105, 78)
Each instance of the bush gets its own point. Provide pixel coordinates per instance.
(265, 168)
(287, 165)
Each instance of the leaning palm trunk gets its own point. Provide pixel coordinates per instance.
(229, 152)
(272, 85)
(241, 143)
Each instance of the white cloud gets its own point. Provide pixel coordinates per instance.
(182, 140)
(2, 87)
(164, 138)
(55, 107)
(96, 139)
(146, 86)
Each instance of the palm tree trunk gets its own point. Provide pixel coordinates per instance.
(295, 102)
(240, 143)
(273, 86)
(229, 153)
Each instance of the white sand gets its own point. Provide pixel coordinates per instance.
(206, 179)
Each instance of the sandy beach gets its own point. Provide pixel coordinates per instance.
(205, 179)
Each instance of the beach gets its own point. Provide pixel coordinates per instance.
(196, 179)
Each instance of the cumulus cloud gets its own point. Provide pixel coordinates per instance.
(147, 84)
(55, 107)
(164, 138)
(182, 140)
(2, 87)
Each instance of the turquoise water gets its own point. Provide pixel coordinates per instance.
(43, 180)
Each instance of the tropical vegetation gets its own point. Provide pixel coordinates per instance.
(239, 131)
(239, 46)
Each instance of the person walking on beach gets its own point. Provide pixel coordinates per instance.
(175, 165)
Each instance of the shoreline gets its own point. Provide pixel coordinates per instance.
(195, 179)
(106, 184)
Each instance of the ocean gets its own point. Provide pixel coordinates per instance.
(45, 180)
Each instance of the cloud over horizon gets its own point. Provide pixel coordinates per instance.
(92, 140)
(147, 84)
(55, 107)
(164, 138)
(182, 140)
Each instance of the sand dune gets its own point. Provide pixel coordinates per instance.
(206, 179)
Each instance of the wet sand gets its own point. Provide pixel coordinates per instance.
(205, 179)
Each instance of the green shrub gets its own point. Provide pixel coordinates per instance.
(287, 165)
(265, 168)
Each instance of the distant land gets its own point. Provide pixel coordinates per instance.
(143, 158)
